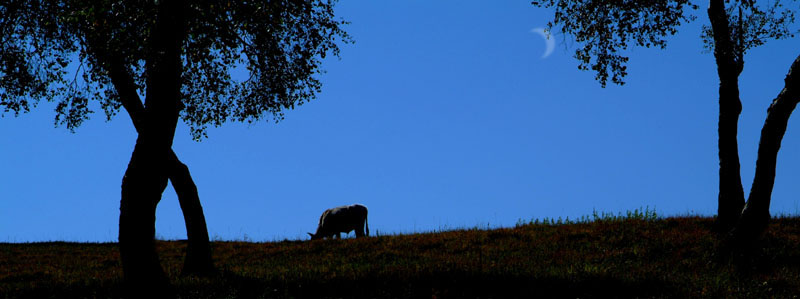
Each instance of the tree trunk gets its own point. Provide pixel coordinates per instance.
(755, 216)
(731, 193)
(145, 179)
(198, 251)
(729, 66)
(142, 186)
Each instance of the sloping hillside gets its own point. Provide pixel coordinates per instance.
(673, 257)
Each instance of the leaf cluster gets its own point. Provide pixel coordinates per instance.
(34, 54)
(606, 28)
(279, 43)
(75, 52)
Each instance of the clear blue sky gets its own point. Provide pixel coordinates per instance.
(442, 115)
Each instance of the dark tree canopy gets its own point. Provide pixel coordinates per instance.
(605, 29)
(64, 51)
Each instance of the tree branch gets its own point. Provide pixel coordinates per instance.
(755, 216)
(126, 90)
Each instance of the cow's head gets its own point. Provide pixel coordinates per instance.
(313, 236)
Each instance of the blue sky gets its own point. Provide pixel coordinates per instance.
(442, 115)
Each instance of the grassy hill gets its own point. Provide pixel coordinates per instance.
(608, 257)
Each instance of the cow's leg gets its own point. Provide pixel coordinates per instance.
(338, 235)
(359, 232)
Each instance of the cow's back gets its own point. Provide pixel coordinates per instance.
(344, 218)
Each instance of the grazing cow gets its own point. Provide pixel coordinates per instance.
(342, 219)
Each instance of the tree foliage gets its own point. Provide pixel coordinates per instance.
(753, 25)
(64, 51)
(605, 29)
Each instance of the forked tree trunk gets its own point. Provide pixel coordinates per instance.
(746, 222)
(198, 252)
(755, 217)
(729, 66)
(143, 186)
(146, 179)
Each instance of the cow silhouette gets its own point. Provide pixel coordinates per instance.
(342, 219)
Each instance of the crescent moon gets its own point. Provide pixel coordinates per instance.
(549, 42)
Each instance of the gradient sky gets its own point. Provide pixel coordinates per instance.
(442, 115)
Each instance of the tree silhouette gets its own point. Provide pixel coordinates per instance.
(604, 28)
(163, 61)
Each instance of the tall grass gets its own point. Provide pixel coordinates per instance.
(642, 214)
